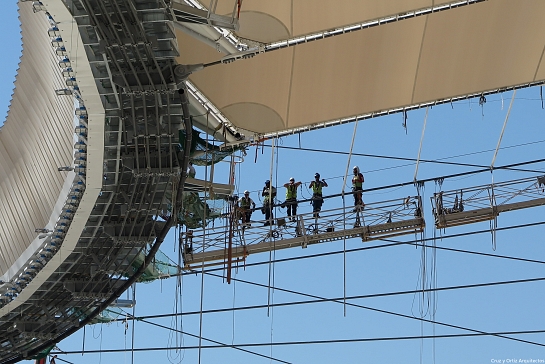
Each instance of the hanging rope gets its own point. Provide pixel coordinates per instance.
(233, 314)
(349, 157)
(83, 342)
(176, 332)
(133, 321)
(344, 212)
(271, 203)
(206, 191)
(420, 148)
(494, 223)
(503, 129)
(482, 101)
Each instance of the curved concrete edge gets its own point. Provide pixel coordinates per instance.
(95, 146)
(38, 243)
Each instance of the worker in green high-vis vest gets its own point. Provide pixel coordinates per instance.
(317, 199)
(291, 198)
(268, 194)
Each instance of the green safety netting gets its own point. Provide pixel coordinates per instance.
(107, 316)
(160, 267)
(194, 205)
(203, 153)
(192, 214)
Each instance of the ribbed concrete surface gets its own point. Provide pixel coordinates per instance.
(36, 138)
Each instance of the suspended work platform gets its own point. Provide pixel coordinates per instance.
(212, 189)
(483, 203)
(234, 241)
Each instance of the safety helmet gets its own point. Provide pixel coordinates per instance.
(292, 179)
(317, 175)
(246, 192)
(267, 182)
(356, 169)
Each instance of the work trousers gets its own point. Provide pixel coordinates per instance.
(317, 202)
(357, 196)
(291, 205)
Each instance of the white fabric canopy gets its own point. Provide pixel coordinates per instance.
(432, 57)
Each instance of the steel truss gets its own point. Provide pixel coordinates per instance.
(131, 47)
(376, 220)
(483, 203)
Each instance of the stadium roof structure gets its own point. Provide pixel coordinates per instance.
(81, 188)
(327, 62)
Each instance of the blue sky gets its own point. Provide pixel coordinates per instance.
(464, 132)
(10, 28)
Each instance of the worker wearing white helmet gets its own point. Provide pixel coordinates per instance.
(246, 206)
(291, 198)
(357, 187)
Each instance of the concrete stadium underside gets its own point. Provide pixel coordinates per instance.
(91, 144)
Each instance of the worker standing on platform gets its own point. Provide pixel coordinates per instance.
(291, 198)
(357, 188)
(246, 206)
(269, 193)
(191, 170)
(317, 199)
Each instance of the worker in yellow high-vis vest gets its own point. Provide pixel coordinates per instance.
(357, 188)
(291, 198)
(317, 199)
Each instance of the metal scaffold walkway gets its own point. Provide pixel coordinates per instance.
(483, 203)
(234, 241)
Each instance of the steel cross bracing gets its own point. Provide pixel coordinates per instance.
(377, 220)
(482, 203)
(190, 14)
(131, 47)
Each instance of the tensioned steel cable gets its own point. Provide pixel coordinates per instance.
(223, 345)
(340, 300)
(333, 341)
(392, 313)
(60, 359)
(324, 300)
(435, 161)
(433, 179)
(458, 250)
